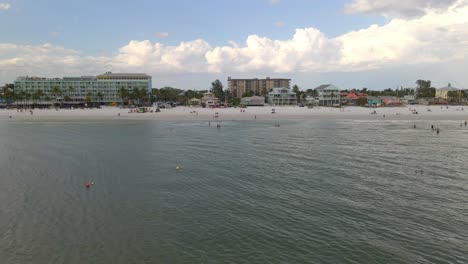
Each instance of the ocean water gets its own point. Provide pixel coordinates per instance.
(325, 191)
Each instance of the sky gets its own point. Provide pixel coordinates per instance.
(188, 44)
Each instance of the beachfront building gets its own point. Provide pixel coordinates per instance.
(103, 88)
(391, 101)
(443, 92)
(311, 101)
(374, 101)
(238, 87)
(209, 100)
(431, 101)
(409, 99)
(253, 101)
(328, 95)
(282, 96)
(194, 102)
(349, 98)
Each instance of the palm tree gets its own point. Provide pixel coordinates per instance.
(20, 96)
(36, 95)
(123, 94)
(40, 93)
(100, 96)
(70, 91)
(88, 98)
(28, 96)
(56, 92)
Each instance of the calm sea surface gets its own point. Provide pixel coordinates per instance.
(305, 192)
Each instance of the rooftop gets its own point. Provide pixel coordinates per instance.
(327, 87)
(252, 79)
(111, 74)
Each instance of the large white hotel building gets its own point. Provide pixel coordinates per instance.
(77, 88)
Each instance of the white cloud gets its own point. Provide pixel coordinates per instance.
(390, 8)
(436, 38)
(162, 34)
(4, 6)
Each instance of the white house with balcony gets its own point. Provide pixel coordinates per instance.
(282, 96)
(328, 95)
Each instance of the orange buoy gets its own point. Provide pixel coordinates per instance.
(88, 185)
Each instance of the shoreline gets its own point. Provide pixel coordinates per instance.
(182, 113)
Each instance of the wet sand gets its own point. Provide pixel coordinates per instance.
(251, 113)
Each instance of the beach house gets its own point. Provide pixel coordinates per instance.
(391, 101)
(328, 95)
(374, 101)
(209, 100)
(443, 92)
(409, 99)
(350, 98)
(282, 96)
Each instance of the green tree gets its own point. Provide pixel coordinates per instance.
(217, 90)
(27, 96)
(361, 101)
(142, 95)
(169, 93)
(248, 94)
(37, 95)
(297, 91)
(123, 94)
(8, 92)
(454, 96)
(424, 89)
(56, 92)
(312, 92)
(70, 92)
(100, 95)
(88, 98)
(20, 95)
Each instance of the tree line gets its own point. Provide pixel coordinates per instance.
(423, 89)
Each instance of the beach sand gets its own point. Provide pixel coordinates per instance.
(251, 113)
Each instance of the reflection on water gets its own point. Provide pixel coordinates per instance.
(308, 191)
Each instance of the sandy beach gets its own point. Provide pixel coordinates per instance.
(251, 113)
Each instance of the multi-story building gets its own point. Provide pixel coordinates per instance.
(328, 95)
(102, 88)
(209, 99)
(443, 92)
(238, 87)
(282, 96)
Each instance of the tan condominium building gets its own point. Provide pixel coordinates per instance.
(238, 87)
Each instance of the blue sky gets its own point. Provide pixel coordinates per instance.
(103, 26)
(188, 43)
